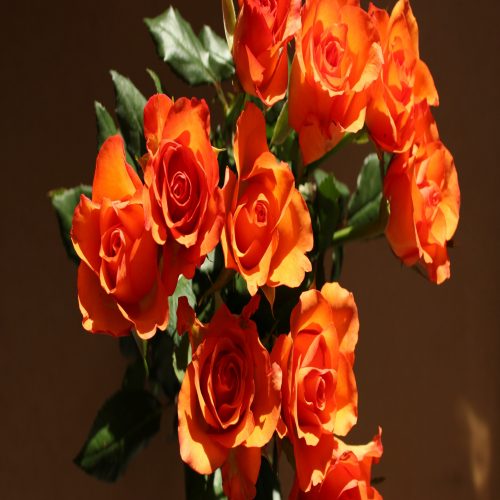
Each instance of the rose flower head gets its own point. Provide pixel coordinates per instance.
(422, 188)
(184, 204)
(119, 279)
(319, 394)
(268, 226)
(349, 475)
(337, 59)
(262, 32)
(405, 80)
(229, 402)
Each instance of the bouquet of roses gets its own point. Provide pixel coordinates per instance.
(213, 251)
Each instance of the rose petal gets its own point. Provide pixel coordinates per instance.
(114, 178)
(99, 310)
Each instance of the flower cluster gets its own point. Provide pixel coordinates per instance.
(250, 385)
(353, 69)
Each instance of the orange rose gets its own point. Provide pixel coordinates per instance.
(229, 402)
(119, 285)
(185, 207)
(349, 476)
(404, 82)
(268, 226)
(262, 32)
(319, 395)
(422, 188)
(337, 59)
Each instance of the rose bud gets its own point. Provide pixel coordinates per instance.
(263, 30)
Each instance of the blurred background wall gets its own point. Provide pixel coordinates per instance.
(428, 358)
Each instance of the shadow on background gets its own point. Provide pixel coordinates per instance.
(427, 362)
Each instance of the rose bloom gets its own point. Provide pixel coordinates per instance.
(262, 32)
(119, 282)
(319, 394)
(349, 475)
(405, 80)
(338, 57)
(229, 402)
(422, 188)
(184, 204)
(268, 226)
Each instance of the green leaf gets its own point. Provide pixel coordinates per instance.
(217, 484)
(367, 213)
(281, 129)
(130, 113)
(123, 426)
(235, 108)
(197, 60)
(184, 288)
(369, 186)
(64, 202)
(368, 209)
(337, 258)
(240, 285)
(105, 125)
(156, 80)
(220, 59)
(329, 200)
(181, 357)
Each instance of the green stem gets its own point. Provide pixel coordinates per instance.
(221, 96)
(142, 347)
(351, 233)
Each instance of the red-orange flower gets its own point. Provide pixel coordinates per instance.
(268, 226)
(119, 285)
(262, 32)
(404, 82)
(338, 57)
(184, 205)
(422, 188)
(229, 402)
(349, 475)
(319, 394)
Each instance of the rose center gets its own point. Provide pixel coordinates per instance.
(115, 242)
(180, 187)
(260, 213)
(432, 198)
(228, 377)
(113, 247)
(321, 394)
(333, 53)
(329, 55)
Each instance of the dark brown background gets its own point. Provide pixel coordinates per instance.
(427, 362)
